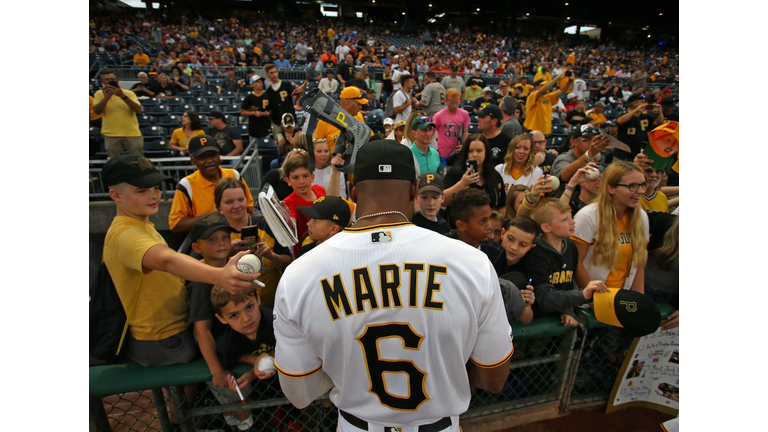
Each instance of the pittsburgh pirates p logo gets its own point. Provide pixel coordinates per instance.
(630, 306)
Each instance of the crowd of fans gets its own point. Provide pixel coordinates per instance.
(485, 153)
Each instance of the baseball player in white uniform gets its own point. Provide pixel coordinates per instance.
(395, 320)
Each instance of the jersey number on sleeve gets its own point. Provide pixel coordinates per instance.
(378, 366)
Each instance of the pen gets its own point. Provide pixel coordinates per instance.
(239, 393)
(259, 283)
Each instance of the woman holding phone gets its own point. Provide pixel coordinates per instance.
(473, 169)
(253, 234)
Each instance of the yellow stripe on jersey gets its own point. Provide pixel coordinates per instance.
(493, 365)
(299, 375)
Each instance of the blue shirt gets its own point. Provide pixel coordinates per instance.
(282, 64)
(428, 163)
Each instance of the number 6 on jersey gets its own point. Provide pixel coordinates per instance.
(377, 366)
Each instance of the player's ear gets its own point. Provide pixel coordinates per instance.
(413, 192)
(352, 192)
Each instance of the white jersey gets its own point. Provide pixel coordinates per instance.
(525, 180)
(392, 313)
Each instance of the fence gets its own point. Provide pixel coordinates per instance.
(248, 163)
(553, 366)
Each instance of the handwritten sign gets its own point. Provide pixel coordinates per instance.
(650, 375)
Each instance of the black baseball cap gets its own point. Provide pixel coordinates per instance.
(132, 169)
(207, 225)
(539, 82)
(200, 144)
(633, 311)
(384, 160)
(216, 114)
(431, 182)
(332, 208)
(635, 96)
(490, 110)
(585, 131)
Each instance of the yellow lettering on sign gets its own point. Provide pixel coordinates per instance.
(341, 118)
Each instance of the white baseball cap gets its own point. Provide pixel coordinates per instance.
(256, 77)
(389, 121)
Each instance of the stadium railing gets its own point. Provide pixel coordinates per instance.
(553, 367)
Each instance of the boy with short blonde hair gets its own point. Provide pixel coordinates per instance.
(552, 264)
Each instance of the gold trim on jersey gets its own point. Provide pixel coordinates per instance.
(298, 375)
(379, 226)
(493, 365)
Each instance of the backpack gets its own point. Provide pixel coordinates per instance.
(389, 107)
(107, 322)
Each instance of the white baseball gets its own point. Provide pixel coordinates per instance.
(554, 181)
(249, 264)
(592, 174)
(267, 364)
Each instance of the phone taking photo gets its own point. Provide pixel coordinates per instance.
(472, 164)
(249, 235)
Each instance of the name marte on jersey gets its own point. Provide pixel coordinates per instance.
(387, 294)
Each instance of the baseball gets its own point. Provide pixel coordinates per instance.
(249, 264)
(554, 181)
(592, 174)
(267, 364)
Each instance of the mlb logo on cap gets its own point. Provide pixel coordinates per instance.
(385, 168)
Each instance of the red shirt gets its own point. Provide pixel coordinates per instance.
(293, 201)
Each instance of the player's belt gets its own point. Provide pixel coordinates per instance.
(359, 423)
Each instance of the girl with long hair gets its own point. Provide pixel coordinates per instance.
(612, 233)
(518, 167)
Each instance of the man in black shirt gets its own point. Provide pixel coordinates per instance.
(577, 116)
(256, 107)
(346, 71)
(227, 137)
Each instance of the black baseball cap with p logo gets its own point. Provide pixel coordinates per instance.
(200, 144)
(631, 310)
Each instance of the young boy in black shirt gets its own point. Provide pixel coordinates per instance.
(429, 201)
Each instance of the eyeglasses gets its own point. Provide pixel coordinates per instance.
(634, 186)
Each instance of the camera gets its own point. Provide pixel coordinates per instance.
(113, 83)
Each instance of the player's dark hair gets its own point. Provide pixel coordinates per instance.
(106, 71)
(464, 203)
(220, 297)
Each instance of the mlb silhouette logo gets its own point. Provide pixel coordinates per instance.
(385, 168)
(381, 237)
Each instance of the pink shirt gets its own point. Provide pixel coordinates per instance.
(450, 128)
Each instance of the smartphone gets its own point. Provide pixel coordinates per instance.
(250, 235)
(471, 163)
(113, 83)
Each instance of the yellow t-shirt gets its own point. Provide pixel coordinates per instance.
(599, 119)
(620, 271)
(657, 203)
(180, 139)
(539, 113)
(118, 119)
(141, 60)
(162, 306)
